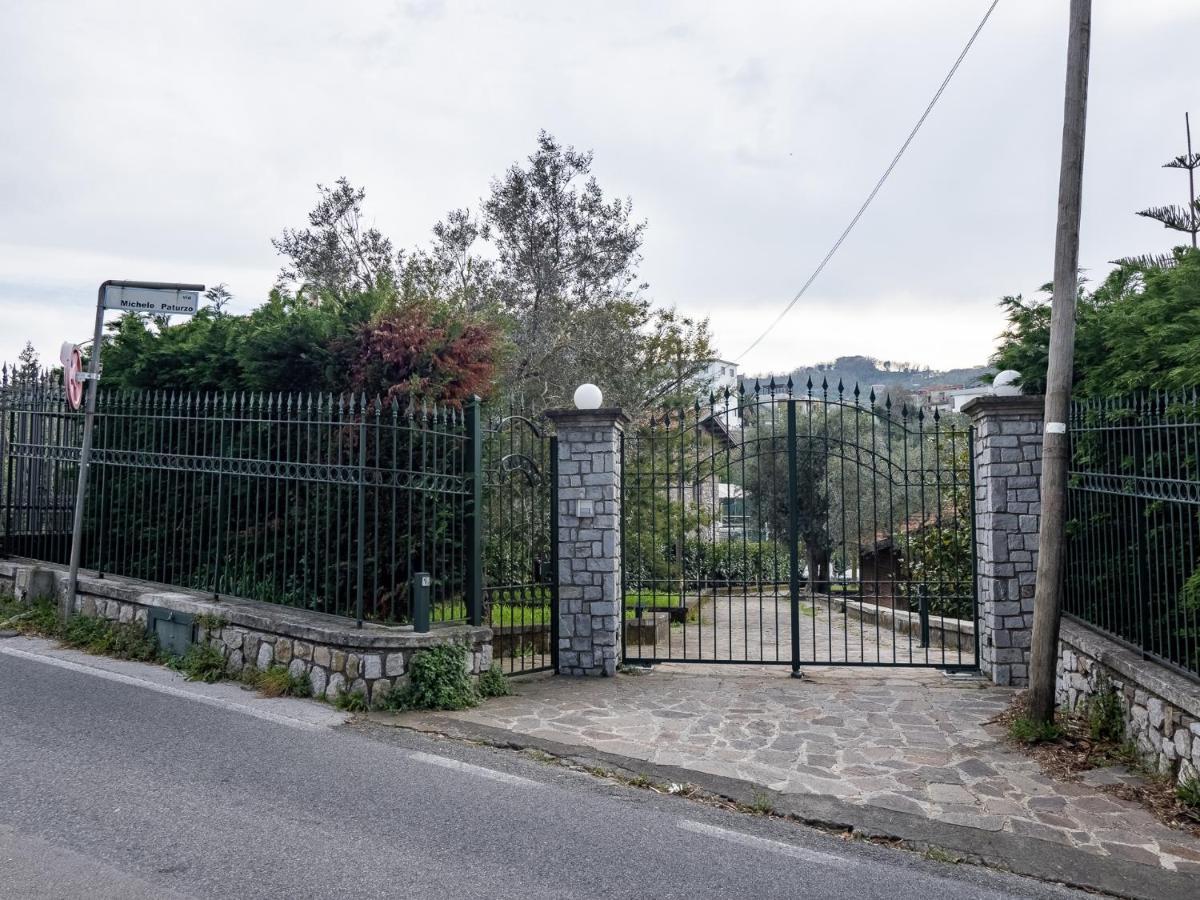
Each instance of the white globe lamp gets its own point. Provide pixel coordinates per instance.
(588, 396)
(1005, 383)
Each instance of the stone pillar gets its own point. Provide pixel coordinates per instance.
(1008, 467)
(588, 528)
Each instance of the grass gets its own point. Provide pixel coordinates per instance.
(277, 681)
(39, 617)
(1026, 730)
(516, 615)
(653, 599)
(510, 615)
(504, 615)
(937, 854)
(761, 804)
(103, 637)
(1106, 715)
(210, 622)
(350, 701)
(1188, 793)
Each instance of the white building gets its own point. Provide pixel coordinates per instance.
(721, 376)
(961, 396)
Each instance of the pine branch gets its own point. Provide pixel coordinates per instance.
(1186, 161)
(1178, 218)
(1147, 261)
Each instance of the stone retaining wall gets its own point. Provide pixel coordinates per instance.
(1162, 709)
(957, 635)
(330, 650)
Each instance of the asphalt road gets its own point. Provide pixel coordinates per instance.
(109, 789)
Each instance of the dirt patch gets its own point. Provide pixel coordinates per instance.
(1074, 752)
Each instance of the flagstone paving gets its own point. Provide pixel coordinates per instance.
(913, 741)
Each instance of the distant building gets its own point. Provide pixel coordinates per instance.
(938, 396)
(721, 375)
(962, 395)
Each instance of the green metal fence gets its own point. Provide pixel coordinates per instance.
(309, 500)
(519, 565)
(1133, 501)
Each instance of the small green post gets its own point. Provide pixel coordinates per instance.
(473, 513)
(923, 614)
(420, 601)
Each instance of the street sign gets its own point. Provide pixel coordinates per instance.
(72, 371)
(161, 297)
(159, 301)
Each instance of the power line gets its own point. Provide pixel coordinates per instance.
(878, 184)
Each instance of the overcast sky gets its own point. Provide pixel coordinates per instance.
(171, 140)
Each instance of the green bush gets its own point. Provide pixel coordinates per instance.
(201, 662)
(493, 683)
(437, 679)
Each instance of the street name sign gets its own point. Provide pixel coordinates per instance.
(158, 301)
(171, 298)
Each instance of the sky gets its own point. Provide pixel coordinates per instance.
(170, 141)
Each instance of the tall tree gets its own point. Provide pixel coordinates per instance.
(1185, 218)
(337, 254)
(218, 296)
(29, 365)
(452, 271)
(568, 259)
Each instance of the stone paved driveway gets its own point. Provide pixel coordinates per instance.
(756, 627)
(910, 740)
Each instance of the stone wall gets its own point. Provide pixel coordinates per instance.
(955, 636)
(1162, 709)
(588, 529)
(330, 650)
(1008, 466)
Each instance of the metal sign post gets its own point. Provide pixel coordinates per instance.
(164, 298)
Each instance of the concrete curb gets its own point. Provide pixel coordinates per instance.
(1015, 853)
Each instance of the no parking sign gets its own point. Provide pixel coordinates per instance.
(72, 362)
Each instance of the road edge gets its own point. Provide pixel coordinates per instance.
(1021, 855)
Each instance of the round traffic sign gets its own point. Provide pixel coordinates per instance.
(72, 367)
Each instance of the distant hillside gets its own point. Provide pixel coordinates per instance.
(866, 371)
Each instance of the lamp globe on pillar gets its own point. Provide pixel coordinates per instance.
(588, 396)
(1005, 384)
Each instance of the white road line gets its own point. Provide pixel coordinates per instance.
(169, 690)
(469, 769)
(760, 843)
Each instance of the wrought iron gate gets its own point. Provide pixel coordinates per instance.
(520, 590)
(821, 527)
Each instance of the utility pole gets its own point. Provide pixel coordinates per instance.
(1047, 605)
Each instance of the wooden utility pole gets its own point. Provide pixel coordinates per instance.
(1047, 605)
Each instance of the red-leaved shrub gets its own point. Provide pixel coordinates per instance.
(420, 353)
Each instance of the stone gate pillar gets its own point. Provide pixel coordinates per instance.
(1008, 467)
(588, 531)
